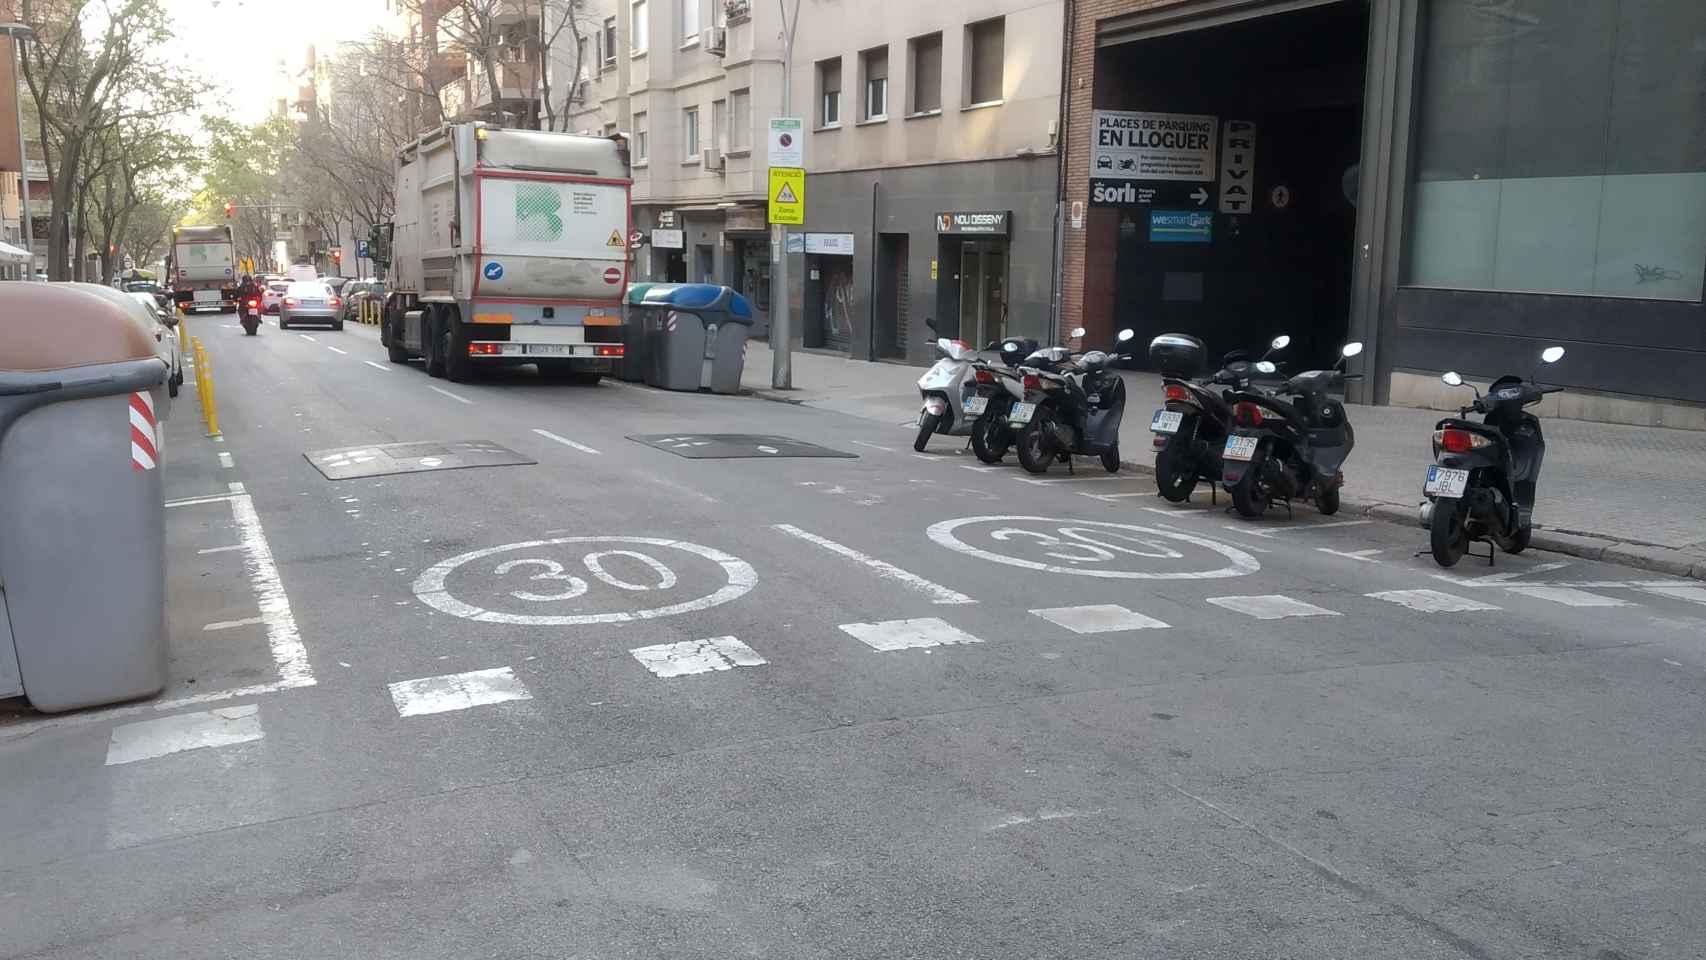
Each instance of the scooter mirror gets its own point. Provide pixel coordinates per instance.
(1451, 378)
(1352, 349)
(1551, 354)
(1125, 335)
(1265, 366)
(1077, 332)
(1280, 342)
(930, 323)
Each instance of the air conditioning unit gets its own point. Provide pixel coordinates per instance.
(711, 158)
(715, 40)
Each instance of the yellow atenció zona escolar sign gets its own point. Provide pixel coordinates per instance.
(788, 195)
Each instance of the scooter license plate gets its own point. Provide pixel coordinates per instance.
(1240, 448)
(976, 405)
(1166, 421)
(1021, 413)
(1445, 482)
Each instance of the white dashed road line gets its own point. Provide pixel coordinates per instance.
(377, 366)
(873, 446)
(1099, 618)
(1691, 594)
(1271, 607)
(225, 459)
(446, 393)
(147, 739)
(908, 634)
(457, 691)
(565, 441)
(935, 591)
(229, 624)
(307, 338)
(226, 549)
(1569, 596)
(336, 350)
(697, 656)
(1430, 601)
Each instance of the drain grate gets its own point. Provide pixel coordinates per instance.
(378, 460)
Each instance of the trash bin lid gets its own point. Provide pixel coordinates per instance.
(56, 326)
(697, 297)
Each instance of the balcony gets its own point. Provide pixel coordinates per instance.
(448, 66)
(517, 81)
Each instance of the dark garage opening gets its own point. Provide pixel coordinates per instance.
(1285, 266)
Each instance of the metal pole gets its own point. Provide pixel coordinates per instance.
(18, 32)
(781, 326)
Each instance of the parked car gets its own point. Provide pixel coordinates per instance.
(273, 295)
(357, 293)
(336, 283)
(166, 334)
(310, 301)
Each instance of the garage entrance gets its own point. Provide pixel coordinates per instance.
(1228, 178)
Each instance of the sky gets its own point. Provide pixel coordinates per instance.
(239, 43)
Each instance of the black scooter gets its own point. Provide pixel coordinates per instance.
(1192, 425)
(1070, 407)
(1285, 450)
(994, 390)
(1481, 486)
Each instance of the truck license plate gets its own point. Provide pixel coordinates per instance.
(1240, 448)
(207, 296)
(1445, 482)
(1166, 421)
(1021, 413)
(976, 405)
(551, 349)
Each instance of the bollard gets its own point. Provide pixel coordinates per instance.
(204, 389)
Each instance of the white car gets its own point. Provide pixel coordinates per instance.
(273, 295)
(166, 334)
(310, 301)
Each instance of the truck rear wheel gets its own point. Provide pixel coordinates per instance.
(432, 344)
(458, 366)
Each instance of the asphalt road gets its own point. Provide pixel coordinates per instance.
(619, 703)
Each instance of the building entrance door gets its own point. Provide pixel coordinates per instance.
(983, 291)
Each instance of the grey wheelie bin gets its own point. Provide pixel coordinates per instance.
(633, 365)
(694, 336)
(82, 520)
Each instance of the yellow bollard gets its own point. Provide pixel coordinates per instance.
(204, 388)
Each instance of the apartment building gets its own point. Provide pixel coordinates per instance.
(930, 154)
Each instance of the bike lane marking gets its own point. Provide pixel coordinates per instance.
(1088, 550)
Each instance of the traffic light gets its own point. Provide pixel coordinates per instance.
(338, 257)
(230, 209)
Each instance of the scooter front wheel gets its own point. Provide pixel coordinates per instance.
(1250, 495)
(1036, 445)
(1447, 535)
(927, 423)
(1519, 540)
(1328, 501)
(1111, 459)
(1175, 472)
(990, 439)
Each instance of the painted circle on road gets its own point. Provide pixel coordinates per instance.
(542, 584)
(1091, 548)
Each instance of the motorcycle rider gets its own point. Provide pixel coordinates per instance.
(247, 289)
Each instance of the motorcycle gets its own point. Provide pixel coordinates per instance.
(1192, 426)
(1070, 407)
(250, 308)
(943, 388)
(995, 390)
(1481, 485)
(1285, 450)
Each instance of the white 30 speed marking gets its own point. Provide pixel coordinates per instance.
(1090, 542)
(430, 585)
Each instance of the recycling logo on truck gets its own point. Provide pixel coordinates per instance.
(536, 209)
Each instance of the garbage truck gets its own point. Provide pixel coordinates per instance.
(203, 270)
(509, 247)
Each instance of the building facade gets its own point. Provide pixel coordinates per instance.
(1456, 183)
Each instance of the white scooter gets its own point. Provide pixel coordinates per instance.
(944, 388)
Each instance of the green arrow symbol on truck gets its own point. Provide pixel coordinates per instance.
(536, 207)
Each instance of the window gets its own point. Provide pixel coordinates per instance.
(829, 92)
(639, 27)
(874, 64)
(740, 120)
(720, 125)
(689, 22)
(987, 42)
(1569, 159)
(926, 71)
(610, 41)
(690, 134)
(583, 64)
(642, 142)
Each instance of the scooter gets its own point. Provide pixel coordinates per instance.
(251, 315)
(997, 388)
(1481, 485)
(1192, 425)
(1285, 450)
(943, 388)
(1077, 408)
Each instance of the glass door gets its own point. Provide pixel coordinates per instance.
(983, 291)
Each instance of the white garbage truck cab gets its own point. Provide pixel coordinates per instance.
(509, 247)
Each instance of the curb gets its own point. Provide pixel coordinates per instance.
(1586, 546)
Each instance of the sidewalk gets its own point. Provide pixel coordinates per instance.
(1628, 494)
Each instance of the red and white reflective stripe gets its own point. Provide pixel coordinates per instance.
(144, 432)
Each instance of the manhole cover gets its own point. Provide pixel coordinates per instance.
(378, 460)
(730, 446)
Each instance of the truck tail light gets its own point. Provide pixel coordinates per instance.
(607, 350)
(1247, 414)
(484, 349)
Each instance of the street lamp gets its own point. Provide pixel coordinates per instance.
(19, 33)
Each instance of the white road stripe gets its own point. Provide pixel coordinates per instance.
(446, 393)
(1112, 497)
(873, 446)
(1099, 618)
(225, 459)
(1691, 594)
(1246, 531)
(1568, 596)
(1271, 607)
(1366, 556)
(935, 591)
(1088, 478)
(908, 634)
(196, 501)
(336, 350)
(377, 366)
(982, 467)
(228, 624)
(1336, 523)
(1430, 601)
(696, 656)
(307, 338)
(1182, 514)
(1495, 578)
(565, 441)
(147, 739)
(226, 549)
(457, 691)
(286, 642)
